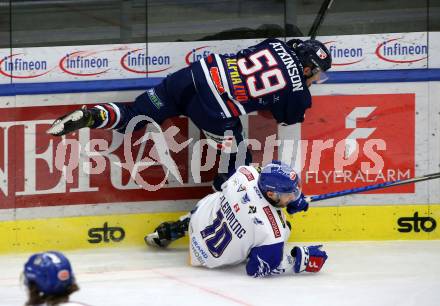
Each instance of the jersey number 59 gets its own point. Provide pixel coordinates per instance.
(271, 78)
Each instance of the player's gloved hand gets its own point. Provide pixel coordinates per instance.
(309, 259)
(298, 205)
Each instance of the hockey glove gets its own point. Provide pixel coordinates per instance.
(298, 205)
(309, 259)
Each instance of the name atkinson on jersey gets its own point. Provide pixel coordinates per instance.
(292, 68)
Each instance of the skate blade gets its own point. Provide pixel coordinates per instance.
(58, 126)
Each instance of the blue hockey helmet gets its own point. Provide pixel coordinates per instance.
(50, 271)
(279, 178)
(312, 53)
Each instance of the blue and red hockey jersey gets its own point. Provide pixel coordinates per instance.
(267, 76)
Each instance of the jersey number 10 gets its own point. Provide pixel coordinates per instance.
(272, 78)
(217, 236)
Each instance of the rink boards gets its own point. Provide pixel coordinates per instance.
(392, 125)
(318, 224)
(44, 211)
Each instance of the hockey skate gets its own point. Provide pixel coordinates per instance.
(167, 232)
(76, 120)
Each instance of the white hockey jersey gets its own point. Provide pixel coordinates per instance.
(239, 224)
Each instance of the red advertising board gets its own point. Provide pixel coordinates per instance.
(348, 141)
(31, 167)
(29, 175)
(357, 140)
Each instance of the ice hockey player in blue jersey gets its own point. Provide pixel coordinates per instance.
(49, 279)
(245, 223)
(215, 91)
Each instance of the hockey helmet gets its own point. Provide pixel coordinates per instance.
(279, 178)
(312, 53)
(51, 272)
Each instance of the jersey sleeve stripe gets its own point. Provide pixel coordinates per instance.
(118, 115)
(222, 73)
(213, 89)
(232, 107)
(226, 84)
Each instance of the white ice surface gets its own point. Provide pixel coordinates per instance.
(359, 273)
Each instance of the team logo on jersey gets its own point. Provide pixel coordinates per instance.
(241, 188)
(252, 210)
(236, 207)
(321, 53)
(257, 221)
(154, 98)
(245, 199)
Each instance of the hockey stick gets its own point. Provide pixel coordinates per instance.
(320, 18)
(342, 193)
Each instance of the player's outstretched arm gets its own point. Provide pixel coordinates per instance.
(265, 260)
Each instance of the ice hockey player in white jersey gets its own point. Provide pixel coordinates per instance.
(49, 280)
(245, 222)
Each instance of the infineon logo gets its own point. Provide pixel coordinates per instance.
(342, 55)
(138, 61)
(22, 67)
(197, 54)
(85, 63)
(397, 50)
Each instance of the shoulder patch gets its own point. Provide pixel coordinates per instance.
(241, 188)
(245, 199)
